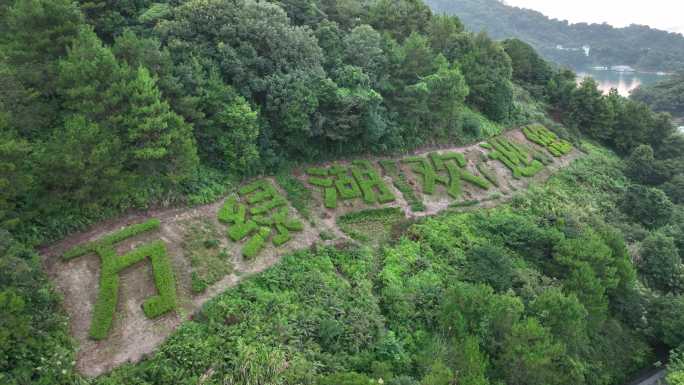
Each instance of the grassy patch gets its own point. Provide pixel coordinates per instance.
(370, 225)
(208, 261)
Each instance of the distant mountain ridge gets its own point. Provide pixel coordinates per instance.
(637, 46)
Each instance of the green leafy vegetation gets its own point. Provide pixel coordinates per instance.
(112, 264)
(297, 194)
(432, 168)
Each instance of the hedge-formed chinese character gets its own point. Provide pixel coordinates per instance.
(264, 211)
(513, 156)
(112, 264)
(543, 137)
(446, 169)
(360, 180)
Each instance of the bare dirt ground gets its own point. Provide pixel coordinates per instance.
(133, 336)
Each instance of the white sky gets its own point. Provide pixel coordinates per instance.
(661, 14)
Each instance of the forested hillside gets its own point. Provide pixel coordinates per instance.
(665, 96)
(112, 107)
(636, 45)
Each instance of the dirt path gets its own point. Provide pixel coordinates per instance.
(133, 335)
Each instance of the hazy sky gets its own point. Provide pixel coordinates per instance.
(661, 14)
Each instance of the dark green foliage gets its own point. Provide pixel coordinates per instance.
(487, 70)
(675, 189)
(492, 265)
(661, 265)
(112, 264)
(32, 322)
(649, 206)
(608, 44)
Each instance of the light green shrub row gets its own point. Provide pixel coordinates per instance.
(276, 202)
(241, 230)
(256, 243)
(317, 171)
(422, 167)
(348, 188)
(232, 211)
(363, 182)
(321, 182)
(264, 198)
(112, 265)
(475, 180)
(261, 184)
(544, 137)
(108, 292)
(165, 282)
(439, 160)
(330, 197)
(514, 157)
(128, 232)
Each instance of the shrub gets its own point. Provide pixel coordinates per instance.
(369, 180)
(348, 188)
(277, 201)
(123, 234)
(241, 230)
(232, 211)
(330, 198)
(317, 171)
(256, 243)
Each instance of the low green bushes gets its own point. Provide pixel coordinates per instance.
(112, 265)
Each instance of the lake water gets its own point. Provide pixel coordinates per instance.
(623, 81)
